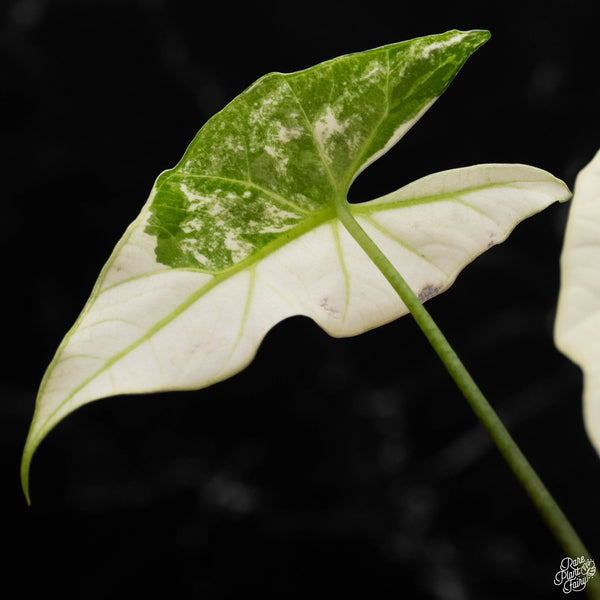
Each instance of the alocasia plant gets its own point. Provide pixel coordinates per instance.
(577, 328)
(253, 226)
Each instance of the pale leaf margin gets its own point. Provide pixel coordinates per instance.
(577, 325)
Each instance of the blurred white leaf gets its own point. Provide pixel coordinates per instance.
(577, 327)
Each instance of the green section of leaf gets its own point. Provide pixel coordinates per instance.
(577, 327)
(291, 144)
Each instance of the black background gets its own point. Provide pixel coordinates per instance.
(328, 467)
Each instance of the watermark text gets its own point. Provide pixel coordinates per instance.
(574, 573)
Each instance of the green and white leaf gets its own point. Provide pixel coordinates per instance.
(243, 232)
(577, 326)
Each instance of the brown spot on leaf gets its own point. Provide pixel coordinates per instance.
(428, 291)
(324, 304)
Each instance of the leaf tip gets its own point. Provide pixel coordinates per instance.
(465, 43)
(31, 445)
(25, 464)
(478, 37)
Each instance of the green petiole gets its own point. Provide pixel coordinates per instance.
(543, 501)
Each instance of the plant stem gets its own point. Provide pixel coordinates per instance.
(552, 514)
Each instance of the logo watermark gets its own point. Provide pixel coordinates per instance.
(574, 573)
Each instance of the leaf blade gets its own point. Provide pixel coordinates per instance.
(223, 249)
(577, 324)
(280, 288)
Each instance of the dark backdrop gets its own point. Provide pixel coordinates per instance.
(328, 467)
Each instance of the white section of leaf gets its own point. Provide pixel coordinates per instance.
(190, 246)
(373, 72)
(134, 255)
(452, 41)
(577, 327)
(238, 248)
(116, 320)
(327, 126)
(274, 214)
(210, 204)
(285, 134)
(181, 329)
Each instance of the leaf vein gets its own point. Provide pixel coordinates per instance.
(271, 193)
(315, 141)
